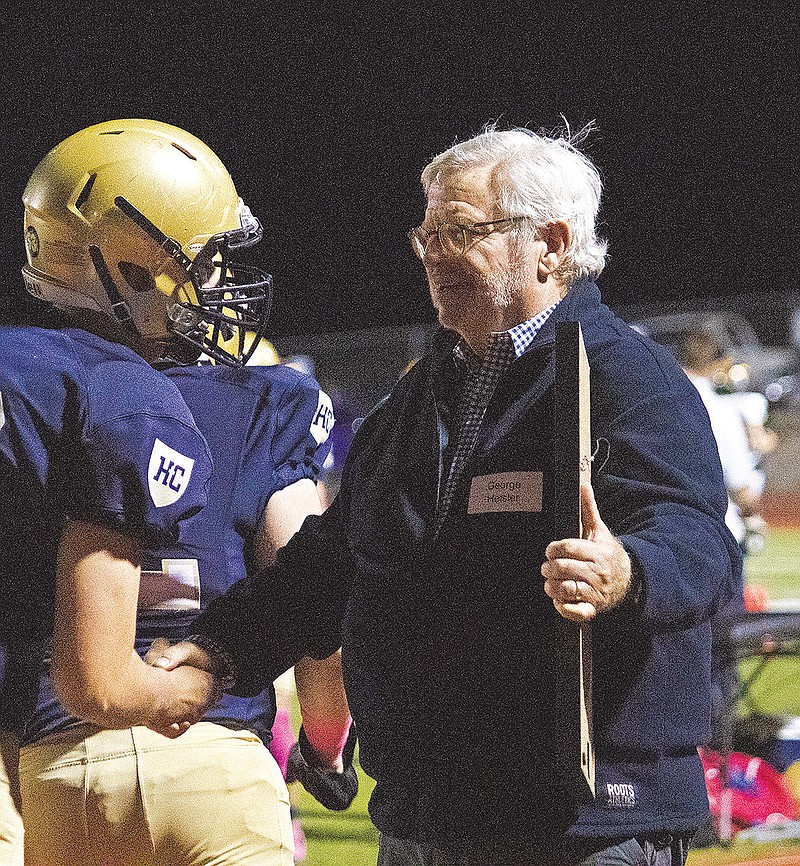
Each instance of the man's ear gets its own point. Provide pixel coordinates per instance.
(557, 236)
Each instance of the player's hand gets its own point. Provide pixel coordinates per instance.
(585, 576)
(172, 731)
(180, 698)
(334, 790)
(163, 655)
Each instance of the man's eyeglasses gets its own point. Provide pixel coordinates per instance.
(455, 239)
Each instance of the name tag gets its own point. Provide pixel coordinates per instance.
(505, 491)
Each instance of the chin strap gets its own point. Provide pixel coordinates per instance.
(171, 246)
(119, 306)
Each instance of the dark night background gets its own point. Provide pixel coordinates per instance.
(325, 118)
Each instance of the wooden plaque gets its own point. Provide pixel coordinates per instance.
(574, 653)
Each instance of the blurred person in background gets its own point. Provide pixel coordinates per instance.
(707, 367)
(753, 408)
(705, 364)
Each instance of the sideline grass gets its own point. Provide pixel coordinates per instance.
(349, 838)
(776, 689)
(777, 566)
(338, 838)
(747, 854)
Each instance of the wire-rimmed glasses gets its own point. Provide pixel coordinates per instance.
(454, 238)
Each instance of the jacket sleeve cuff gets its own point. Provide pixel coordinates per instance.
(222, 667)
(636, 598)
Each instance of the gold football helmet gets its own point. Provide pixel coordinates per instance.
(260, 352)
(136, 219)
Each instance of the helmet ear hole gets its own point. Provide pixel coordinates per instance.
(137, 277)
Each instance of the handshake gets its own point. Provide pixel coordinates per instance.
(206, 681)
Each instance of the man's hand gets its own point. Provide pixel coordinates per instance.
(184, 695)
(334, 790)
(188, 688)
(585, 576)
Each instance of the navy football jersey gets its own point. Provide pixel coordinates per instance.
(267, 427)
(88, 431)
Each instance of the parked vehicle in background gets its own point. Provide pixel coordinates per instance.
(772, 370)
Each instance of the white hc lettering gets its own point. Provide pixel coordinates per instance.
(324, 418)
(169, 473)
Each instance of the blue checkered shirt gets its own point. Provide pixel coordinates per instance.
(480, 383)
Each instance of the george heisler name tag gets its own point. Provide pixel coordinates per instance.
(505, 491)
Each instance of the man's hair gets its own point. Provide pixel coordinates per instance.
(539, 175)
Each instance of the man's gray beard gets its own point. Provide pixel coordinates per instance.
(503, 288)
(496, 291)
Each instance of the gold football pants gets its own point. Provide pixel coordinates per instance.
(132, 797)
(10, 818)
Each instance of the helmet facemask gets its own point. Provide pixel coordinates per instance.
(233, 299)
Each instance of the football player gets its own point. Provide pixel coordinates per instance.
(216, 794)
(99, 455)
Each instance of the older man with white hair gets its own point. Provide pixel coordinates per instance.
(434, 590)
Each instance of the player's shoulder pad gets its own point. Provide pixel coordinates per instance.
(296, 397)
(29, 351)
(119, 383)
(38, 375)
(270, 381)
(52, 368)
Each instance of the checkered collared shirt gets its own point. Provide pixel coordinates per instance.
(482, 376)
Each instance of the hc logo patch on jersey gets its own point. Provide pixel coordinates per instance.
(168, 474)
(322, 422)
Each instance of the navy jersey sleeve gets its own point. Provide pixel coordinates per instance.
(142, 473)
(129, 453)
(145, 466)
(290, 430)
(300, 443)
(88, 431)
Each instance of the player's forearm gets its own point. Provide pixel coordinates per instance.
(135, 694)
(110, 698)
(95, 670)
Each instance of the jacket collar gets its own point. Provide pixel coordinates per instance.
(582, 303)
